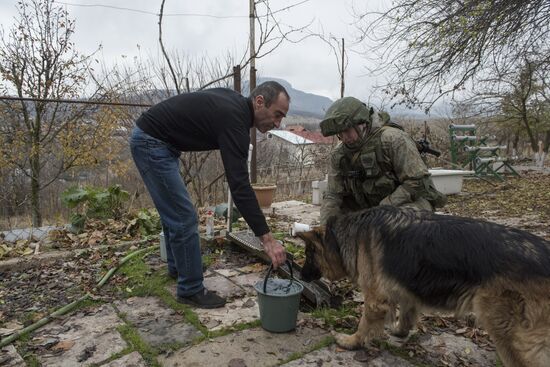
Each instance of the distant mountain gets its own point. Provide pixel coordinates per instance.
(301, 103)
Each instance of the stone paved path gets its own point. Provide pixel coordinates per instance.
(98, 336)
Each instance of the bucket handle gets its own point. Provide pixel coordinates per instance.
(269, 273)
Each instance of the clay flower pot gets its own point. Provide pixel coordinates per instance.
(265, 194)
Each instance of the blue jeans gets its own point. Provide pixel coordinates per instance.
(158, 165)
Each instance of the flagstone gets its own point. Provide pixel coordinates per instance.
(252, 347)
(10, 358)
(334, 356)
(156, 323)
(133, 359)
(238, 311)
(88, 337)
(247, 281)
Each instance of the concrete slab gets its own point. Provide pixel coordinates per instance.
(253, 347)
(228, 273)
(133, 359)
(237, 312)
(85, 338)
(298, 211)
(455, 350)
(253, 268)
(223, 286)
(333, 356)
(10, 358)
(389, 360)
(247, 281)
(156, 323)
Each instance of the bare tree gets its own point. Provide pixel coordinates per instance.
(338, 48)
(432, 48)
(514, 103)
(42, 140)
(203, 72)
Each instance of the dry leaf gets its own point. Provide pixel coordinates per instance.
(64, 345)
(6, 331)
(27, 251)
(361, 356)
(13, 325)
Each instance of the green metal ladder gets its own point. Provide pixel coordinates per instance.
(468, 151)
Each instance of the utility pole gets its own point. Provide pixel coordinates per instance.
(237, 88)
(342, 82)
(252, 85)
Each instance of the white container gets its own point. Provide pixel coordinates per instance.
(299, 227)
(448, 181)
(162, 247)
(318, 189)
(209, 224)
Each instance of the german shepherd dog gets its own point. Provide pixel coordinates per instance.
(417, 259)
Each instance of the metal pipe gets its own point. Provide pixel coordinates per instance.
(484, 149)
(78, 101)
(464, 138)
(462, 127)
(480, 160)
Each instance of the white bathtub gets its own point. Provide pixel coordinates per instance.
(448, 181)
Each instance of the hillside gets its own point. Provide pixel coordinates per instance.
(302, 103)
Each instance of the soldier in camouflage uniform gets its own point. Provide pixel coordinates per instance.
(376, 163)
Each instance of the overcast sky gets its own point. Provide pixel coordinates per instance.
(309, 65)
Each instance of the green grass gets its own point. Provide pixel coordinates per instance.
(299, 252)
(22, 346)
(142, 282)
(232, 329)
(136, 343)
(279, 236)
(31, 360)
(325, 342)
(333, 317)
(208, 259)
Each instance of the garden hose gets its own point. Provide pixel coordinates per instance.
(68, 308)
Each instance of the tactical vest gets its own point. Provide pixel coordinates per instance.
(368, 178)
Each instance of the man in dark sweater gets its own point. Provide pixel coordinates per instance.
(205, 120)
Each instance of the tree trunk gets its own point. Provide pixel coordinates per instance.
(35, 185)
(546, 142)
(532, 139)
(516, 142)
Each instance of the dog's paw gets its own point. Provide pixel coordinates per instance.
(347, 341)
(373, 335)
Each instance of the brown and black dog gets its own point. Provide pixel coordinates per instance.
(417, 259)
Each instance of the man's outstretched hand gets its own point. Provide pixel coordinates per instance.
(274, 249)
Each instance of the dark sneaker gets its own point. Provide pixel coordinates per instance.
(203, 299)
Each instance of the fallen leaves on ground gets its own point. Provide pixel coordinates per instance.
(27, 296)
(521, 202)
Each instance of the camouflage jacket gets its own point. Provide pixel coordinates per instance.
(386, 170)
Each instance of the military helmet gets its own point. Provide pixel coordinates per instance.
(343, 114)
